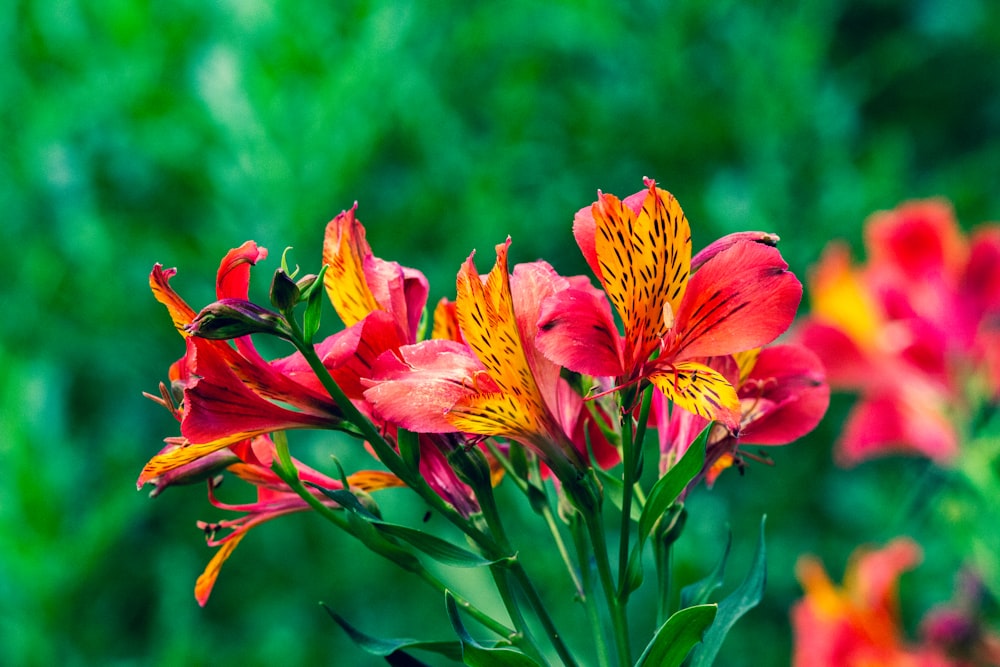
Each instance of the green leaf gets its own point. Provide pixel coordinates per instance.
(313, 314)
(440, 550)
(384, 647)
(735, 605)
(476, 654)
(675, 638)
(699, 591)
(435, 547)
(409, 448)
(669, 487)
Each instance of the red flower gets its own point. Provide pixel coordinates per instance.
(499, 384)
(858, 624)
(914, 331)
(740, 297)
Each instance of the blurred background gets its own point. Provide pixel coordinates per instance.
(137, 132)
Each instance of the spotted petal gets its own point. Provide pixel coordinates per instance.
(645, 260)
(699, 389)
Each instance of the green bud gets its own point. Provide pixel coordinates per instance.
(232, 318)
(284, 291)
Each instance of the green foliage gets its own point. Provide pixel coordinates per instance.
(137, 132)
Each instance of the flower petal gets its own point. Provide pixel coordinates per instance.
(233, 279)
(345, 250)
(577, 330)
(203, 586)
(743, 298)
(645, 260)
(181, 313)
(699, 389)
(784, 396)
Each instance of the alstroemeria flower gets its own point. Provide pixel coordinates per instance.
(858, 625)
(741, 297)
(230, 394)
(274, 499)
(783, 395)
(499, 385)
(914, 330)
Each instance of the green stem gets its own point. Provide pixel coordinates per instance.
(587, 586)
(487, 502)
(619, 620)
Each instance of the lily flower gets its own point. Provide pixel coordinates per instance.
(499, 384)
(783, 395)
(274, 499)
(230, 394)
(740, 297)
(914, 331)
(858, 624)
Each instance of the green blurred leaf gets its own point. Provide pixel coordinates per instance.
(476, 654)
(669, 487)
(699, 591)
(675, 638)
(409, 448)
(385, 647)
(735, 605)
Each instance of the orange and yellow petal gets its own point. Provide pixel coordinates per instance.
(645, 261)
(840, 298)
(180, 312)
(486, 315)
(344, 251)
(699, 389)
(203, 586)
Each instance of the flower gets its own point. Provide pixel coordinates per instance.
(274, 499)
(498, 384)
(914, 330)
(740, 297)
(229, 392)
(783, 395)
(857, 624)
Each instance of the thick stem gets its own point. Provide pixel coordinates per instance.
(597, 625)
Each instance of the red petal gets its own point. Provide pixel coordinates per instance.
(576, 330)
(417, 389)
(793, 382)
(745, 297)
(233, 278)
(884, 425)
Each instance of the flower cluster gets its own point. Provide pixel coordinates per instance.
(915, 330)
(525, 377)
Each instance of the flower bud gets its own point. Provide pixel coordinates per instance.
(232, 318)
(284, 291)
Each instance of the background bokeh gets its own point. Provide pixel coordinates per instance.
(134, 133)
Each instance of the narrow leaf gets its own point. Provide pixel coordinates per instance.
(669, 487)
(699, 591)
(675, 638)
(475, 654)
(435, 547)
(735, 605)
(384, 647)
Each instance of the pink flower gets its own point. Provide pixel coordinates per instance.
(914, 331)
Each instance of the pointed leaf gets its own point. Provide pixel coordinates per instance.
(737, 603)
(435, 547)
(314, 311)
(475, 654)
(699, 591)
(675, 638)
(385, 647)
(669, 487)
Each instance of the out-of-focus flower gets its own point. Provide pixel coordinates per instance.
(783, 395)
(274, 499)
(915, 330)
(741, 297)
(857, 624)
(498, 384)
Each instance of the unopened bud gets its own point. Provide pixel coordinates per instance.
(284, 291)
(232, 318)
